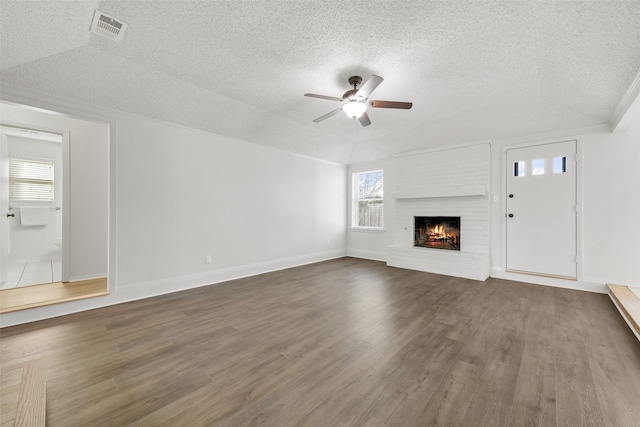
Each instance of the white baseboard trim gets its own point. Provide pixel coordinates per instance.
(137, 291)
(579, 285)
(367, 254)
(613, 281)
(174, 284)
(87, 277)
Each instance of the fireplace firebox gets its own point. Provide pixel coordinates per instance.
(437, 232)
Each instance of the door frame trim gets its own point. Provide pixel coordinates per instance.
(503, 204)
(33, 99)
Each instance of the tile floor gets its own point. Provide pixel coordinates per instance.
(26, 273)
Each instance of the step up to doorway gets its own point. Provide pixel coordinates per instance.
(628, 303)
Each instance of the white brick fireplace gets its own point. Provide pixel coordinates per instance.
(446, 182)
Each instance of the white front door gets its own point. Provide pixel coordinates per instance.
(541, 209)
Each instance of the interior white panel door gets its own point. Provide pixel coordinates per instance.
(4, 208)
(541, 209)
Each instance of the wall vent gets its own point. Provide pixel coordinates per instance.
(107, 26)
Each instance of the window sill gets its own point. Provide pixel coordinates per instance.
(368, 230)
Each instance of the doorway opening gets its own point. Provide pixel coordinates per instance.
(35, 196)
(45, 257)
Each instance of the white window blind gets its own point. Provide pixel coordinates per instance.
(30, 179)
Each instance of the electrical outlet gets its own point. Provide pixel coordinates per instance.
(207, 259)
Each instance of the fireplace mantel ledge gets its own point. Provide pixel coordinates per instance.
(444, 192)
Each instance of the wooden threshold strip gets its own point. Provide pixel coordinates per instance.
(50, 293)
(629, 305)
(553, 276)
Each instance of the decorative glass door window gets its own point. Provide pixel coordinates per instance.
(518, 169)
(560, 165)
(537, 167)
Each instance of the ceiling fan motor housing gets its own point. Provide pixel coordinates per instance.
(350, 94)
(355, 82)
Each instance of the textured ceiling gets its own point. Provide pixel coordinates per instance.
(474, 70)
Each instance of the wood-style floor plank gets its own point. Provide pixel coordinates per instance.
(577, 402)
(343, 342)
(32, 402)
(534, 401)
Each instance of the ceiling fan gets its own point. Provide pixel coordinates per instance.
(356, 100)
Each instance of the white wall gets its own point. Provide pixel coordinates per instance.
(87, 198)
(37, 242)
(178, 194)
(184, 194)
(611, 206)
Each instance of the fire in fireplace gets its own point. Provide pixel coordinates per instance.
(437, 232)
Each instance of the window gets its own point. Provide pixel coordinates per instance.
(30, 179)
(518, 169)
(537, 167)
(559, 165)
(368, 204)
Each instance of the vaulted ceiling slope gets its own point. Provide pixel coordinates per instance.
(474, 70)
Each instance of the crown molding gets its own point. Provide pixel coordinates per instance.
(628, 112)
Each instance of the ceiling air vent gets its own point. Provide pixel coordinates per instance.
(107, 26)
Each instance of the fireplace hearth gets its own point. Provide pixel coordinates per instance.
(437, 232)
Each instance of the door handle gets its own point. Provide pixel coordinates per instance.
(510, 215)
(511, 196)
(11, 214)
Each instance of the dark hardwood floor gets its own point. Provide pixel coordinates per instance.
(344, 342)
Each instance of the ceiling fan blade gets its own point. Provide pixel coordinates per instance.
(326, 116)
(329, 98)
(391, 104)
(364, 119)
(369, 86)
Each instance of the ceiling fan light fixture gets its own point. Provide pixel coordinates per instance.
(355, 102)
(354, 109)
